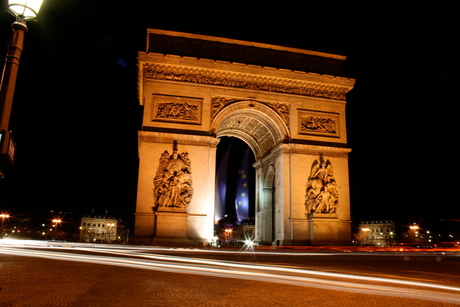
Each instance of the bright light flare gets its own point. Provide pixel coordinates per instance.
(249, 245)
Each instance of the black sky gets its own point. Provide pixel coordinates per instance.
(76, 113)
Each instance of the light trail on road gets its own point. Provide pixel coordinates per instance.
(137, 258)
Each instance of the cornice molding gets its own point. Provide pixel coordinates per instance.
(181, 139)
(314, 150)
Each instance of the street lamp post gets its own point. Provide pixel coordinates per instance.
(4, 216)
(54, 229)
(22, 10)
(111, 225)
(228, 234)
(365, 230)
(414, 232)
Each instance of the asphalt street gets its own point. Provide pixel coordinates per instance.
(42, 276)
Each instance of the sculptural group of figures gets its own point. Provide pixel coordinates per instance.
(173, 184)
(318, 124)
(173, 181)
(176, 110)
(321, 195)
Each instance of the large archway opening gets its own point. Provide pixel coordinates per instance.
(248, 126)
(235, 178)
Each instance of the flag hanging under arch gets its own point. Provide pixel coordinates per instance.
(221, 187)
(242, 189)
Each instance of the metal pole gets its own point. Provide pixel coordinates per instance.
(9, 76)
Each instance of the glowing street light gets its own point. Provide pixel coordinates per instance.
(4, 216)
(110, 225)
(56, 222)
(22, 10)
(413, 234)
(228, 233)
(365, 230)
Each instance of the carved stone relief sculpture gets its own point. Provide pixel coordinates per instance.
(218, 103)
(318, 123)
(173, 182)
(176, 109)
(321, 193)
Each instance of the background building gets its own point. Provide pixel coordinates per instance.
(378, 233)
(103, 229)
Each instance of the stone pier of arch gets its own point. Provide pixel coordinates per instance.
(287, 105)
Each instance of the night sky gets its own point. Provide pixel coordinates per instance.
(76, 113)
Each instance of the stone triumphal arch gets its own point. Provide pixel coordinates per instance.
(287, 105)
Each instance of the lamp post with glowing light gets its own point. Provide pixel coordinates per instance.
(365, 230)
(23, 11)
(414, 233)
(228, 234)
(4, 216)
(54, 229)
(110, 225)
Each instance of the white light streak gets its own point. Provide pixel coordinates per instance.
(136, 257)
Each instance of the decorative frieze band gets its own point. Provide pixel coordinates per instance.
(244, 81)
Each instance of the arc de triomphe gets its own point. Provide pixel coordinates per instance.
(287, 104)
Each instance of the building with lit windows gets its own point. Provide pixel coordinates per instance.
(102, 228)
(378, 233)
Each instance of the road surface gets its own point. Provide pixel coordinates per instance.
(43, 274)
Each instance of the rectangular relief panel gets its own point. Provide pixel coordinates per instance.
(176, 109)
(319, 123)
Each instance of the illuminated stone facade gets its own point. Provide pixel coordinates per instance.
(94, 228)
(378, 233)
(287, 104)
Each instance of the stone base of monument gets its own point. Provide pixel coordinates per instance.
(171, 227)
(324, 229)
